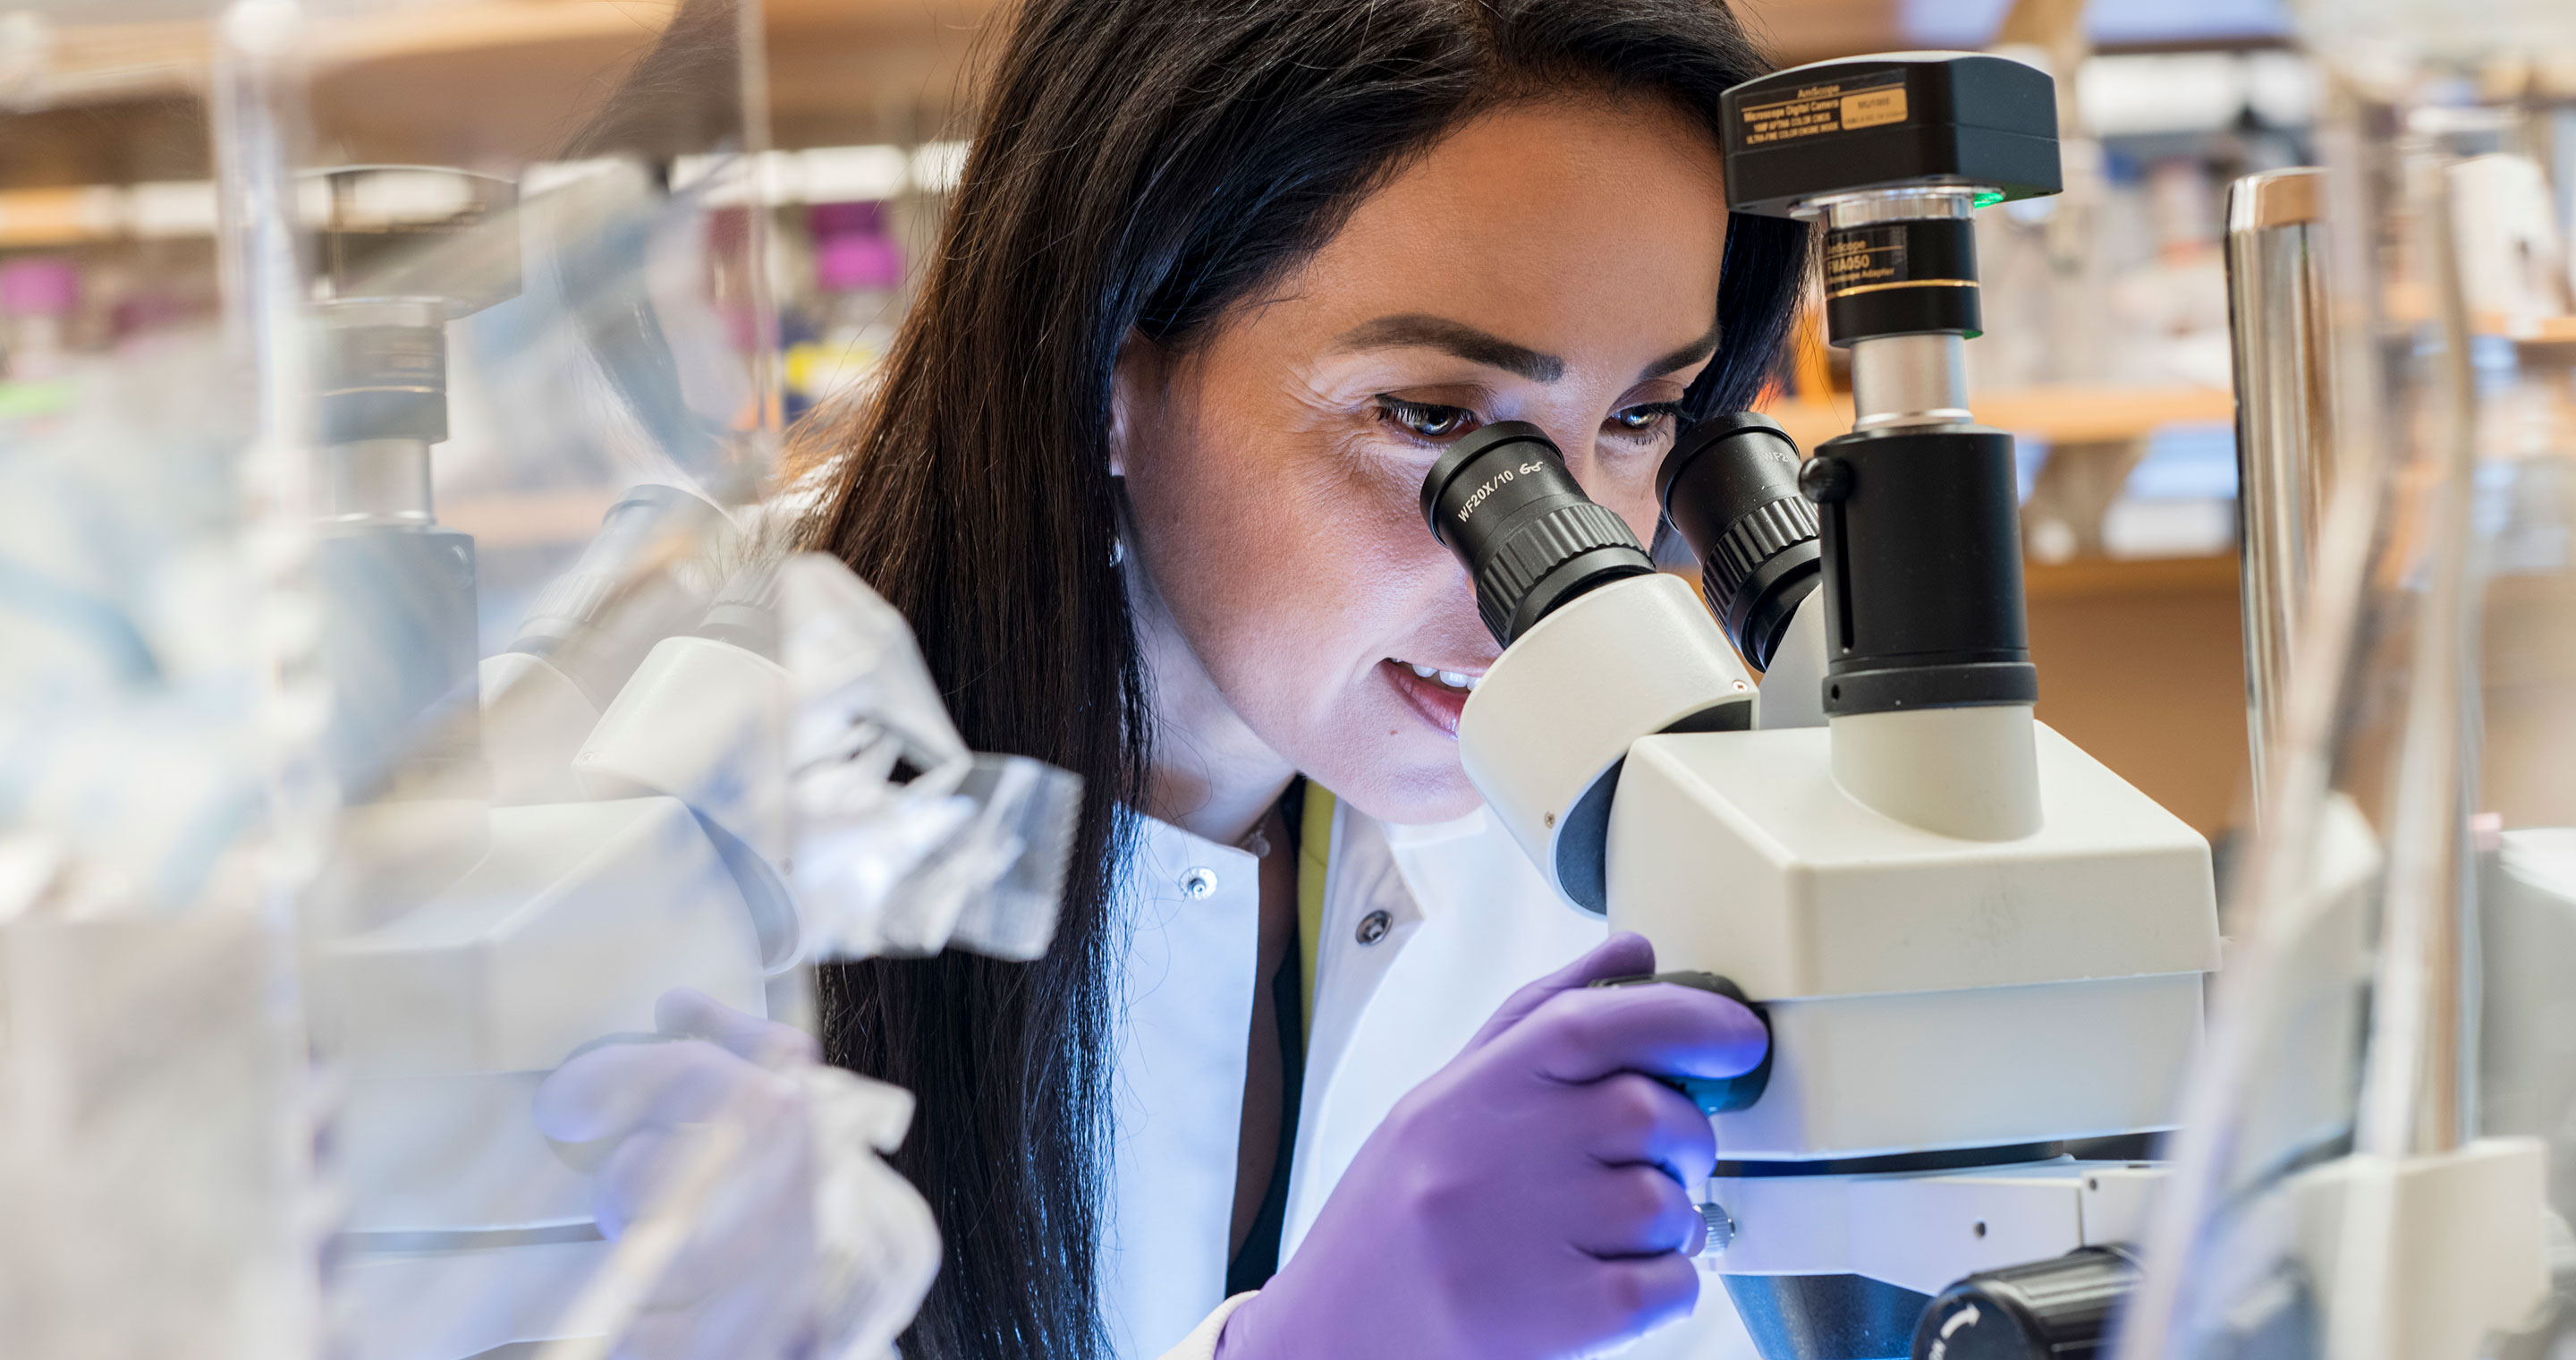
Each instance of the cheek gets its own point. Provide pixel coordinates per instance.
(1284, 560)
(1291, 573)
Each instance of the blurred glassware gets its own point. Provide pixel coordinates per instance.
(411, 696)
(2376, 1146)
(857, 300)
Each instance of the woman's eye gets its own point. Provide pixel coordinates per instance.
(1646, 419)
(1425, 420)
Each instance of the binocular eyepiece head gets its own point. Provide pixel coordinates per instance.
(1502, 500)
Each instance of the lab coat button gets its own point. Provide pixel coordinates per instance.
(1373, 927)
(1199, 883)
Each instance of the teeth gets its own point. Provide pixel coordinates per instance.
(1453, 679)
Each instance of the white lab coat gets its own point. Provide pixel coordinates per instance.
(1470, 921)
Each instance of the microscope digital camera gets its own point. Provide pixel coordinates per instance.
(1979, 952)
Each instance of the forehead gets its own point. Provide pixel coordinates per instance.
(1580, 216)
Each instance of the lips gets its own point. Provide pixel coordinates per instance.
(1439, 695)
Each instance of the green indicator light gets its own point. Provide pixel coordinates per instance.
(1989, 199)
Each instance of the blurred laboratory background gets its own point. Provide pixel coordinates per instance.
(258, 258)
(2113, 369)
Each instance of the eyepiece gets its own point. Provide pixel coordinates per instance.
(1730, 487)
(1502, 500)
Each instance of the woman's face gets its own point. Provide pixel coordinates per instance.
(1553, 264)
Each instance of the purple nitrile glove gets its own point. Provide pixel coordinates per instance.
(740, 1288)
(1533, 1198)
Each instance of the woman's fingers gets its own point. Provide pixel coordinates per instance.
(1639, 1211)
(1635, 1120)
(658, 1109)
(1624, 954)
(627, 1182)
(1660, 1029)
(616, 1089)
(686, 1012)
(750, 1214)
(1645, 1292)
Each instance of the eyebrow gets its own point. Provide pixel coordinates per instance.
(1412, 330)
(1687, 355)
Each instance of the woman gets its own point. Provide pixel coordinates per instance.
(1219, 282)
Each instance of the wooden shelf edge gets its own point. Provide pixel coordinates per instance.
(2059, 415)
(2102, 577)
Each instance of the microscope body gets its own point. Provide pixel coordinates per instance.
(1935, 991)
(1973, 944)
(1944, 1010)
(531, 854)
(647, 869)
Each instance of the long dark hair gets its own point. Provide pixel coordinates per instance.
(1140, 166)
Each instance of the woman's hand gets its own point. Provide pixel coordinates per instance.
(1533, 1198)
(741, 1286)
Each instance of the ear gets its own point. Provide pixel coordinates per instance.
(1135, 397)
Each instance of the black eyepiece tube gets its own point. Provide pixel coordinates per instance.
(1502, 500)
(1730, 488)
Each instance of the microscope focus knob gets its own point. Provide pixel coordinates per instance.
(2047, 1310)
(1826, 479)
(1714, 1095)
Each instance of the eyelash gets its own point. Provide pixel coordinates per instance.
(1458, 420)
(1404, 416)
(1656, 415)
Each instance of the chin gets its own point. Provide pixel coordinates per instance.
(1411, 797)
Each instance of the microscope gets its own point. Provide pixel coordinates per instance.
(486, 920)
(1980, 954)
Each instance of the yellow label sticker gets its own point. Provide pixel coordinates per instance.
(1814, 110)
(1870, 108)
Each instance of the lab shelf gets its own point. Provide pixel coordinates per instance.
(2115, 578)
(506, 79)
(2141, 663)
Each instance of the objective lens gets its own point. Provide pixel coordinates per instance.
(1730, 487)
(1501, 499)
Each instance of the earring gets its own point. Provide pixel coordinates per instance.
(1117, 548)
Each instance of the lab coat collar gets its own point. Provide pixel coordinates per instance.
(1189, 921)
(1401, 837)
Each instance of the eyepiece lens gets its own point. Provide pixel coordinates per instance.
(1730, 488)
(1502, 500)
